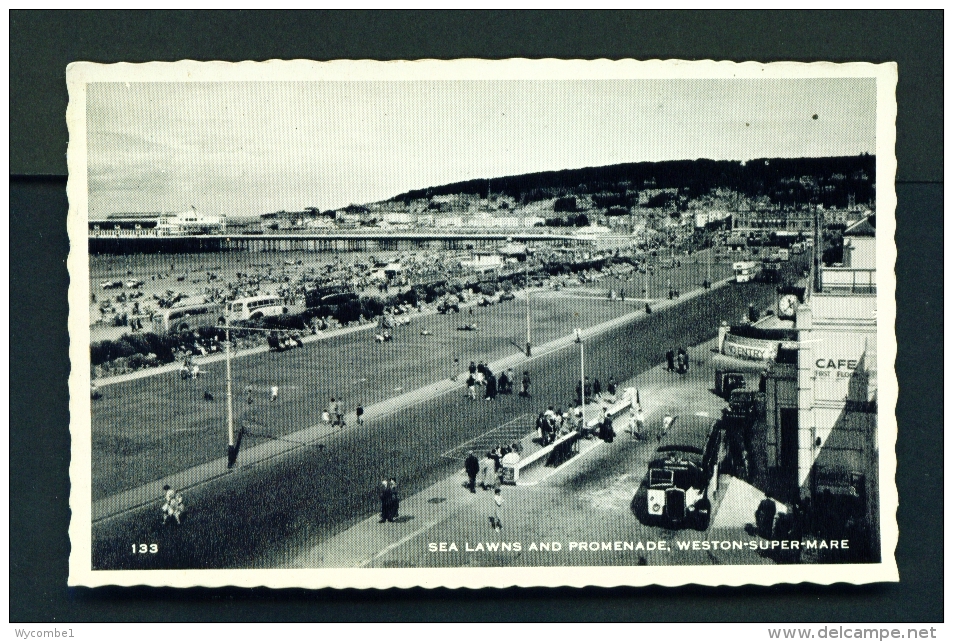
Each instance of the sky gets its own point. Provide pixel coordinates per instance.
(245, 148)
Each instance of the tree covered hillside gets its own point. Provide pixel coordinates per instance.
(834, 182)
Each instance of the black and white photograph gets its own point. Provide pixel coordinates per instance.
(482, 323)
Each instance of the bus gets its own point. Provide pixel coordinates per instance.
(188, 317)
(256, 307)
(683, 473)
(745, 270)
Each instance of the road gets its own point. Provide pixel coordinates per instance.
(259, 516)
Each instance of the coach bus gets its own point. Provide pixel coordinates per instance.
(683, 473)
(189, 317)
(256, 307)
(745, 271)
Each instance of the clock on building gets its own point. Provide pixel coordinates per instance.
(787, 306)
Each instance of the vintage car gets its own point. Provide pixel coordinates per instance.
(449, 303)
(683, 473)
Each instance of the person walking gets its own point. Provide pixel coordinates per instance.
(504, 386)
(334, 410)
(524, 384)
(274, 393)
(359, 411)
(394, 500)
(471, 386)
(174, 505)
(491, 388)
(606, 430)
(472, 467)
(670, 360)
(385, 494)
(497, 506)
(637, 423)
(487, 471)
(666, 422)
(681, 361)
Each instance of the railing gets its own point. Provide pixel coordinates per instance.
(849, 280)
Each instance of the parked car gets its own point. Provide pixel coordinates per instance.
(683, 473)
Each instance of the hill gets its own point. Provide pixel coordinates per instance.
(834, 182)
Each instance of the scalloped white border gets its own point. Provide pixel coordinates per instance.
(80, 531)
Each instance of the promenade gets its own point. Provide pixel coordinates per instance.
(582, 504)
(313, 434)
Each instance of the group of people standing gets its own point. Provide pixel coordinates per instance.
(480, 376)
(173, 505)
(333, 414)
(677, 360)
(593, 389)
(390, 500)
(490, 468)
(552, 424)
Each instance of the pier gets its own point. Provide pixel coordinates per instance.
(337, 242)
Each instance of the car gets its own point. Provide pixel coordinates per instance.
(135, 283)
(507, 296)
(683, 473)
(448, 304)
(111, 285)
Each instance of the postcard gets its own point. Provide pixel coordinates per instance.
(480, 323)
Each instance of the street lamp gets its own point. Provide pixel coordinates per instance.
(711, 252)
(529, 351)
(232, 448)
(582, 378)
(645, 273)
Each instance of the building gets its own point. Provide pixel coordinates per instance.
(190, 222)
(774, 220)
(821, 415)
(126, 224)
(707, 217)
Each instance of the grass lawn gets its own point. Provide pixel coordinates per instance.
(151, 427)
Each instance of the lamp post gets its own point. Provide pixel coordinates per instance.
(232, 447)
(228, 386)
(233, 444)
(582, 378)
(646, 273)
(529, 351)
(711, 252)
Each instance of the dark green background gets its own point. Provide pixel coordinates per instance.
(43, 43)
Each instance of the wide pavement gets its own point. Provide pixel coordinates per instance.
(585, 504)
